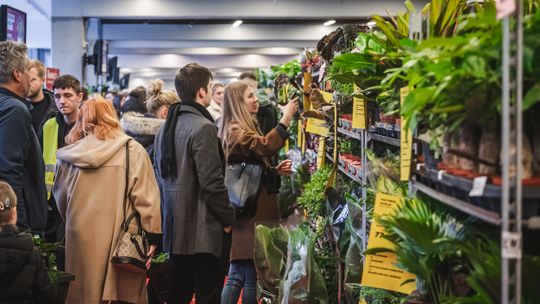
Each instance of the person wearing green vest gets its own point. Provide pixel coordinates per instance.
(68, 96)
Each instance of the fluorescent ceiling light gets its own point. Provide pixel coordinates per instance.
(329, 22)
(237, 23)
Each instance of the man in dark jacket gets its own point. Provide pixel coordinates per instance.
(21, 163)
(41, 99)
(23, 276)
(196, 208)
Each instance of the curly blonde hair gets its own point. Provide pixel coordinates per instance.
(159, 98)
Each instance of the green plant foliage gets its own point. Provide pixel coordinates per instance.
(270, 257)
(161, 258)
(291, 187)
(312, 199)
(380, 296)
(291, 68)
(48, 252)
(303, 281)
(427, 245)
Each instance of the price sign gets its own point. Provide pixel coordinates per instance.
(380, 270)
(321, 152)
(317, 126)
(359, 113)
(405, 155)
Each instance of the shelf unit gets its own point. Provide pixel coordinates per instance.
(350, 134)
(384, 139)
(354, 178)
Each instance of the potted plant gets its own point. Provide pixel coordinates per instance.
(60, 279)
(158, 275)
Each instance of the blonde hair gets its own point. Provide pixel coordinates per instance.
(8, 201)
(96, 116)
(236, 117)
(40, 68)
(215, 85)
(158, 98)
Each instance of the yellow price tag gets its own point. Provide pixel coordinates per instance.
(286, 146)
(321, 153)
(359, 113)
(380, 270)
(405, 155)
(327, 96)
(317, 126)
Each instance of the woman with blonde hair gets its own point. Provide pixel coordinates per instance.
(243, 142)
(89, 190)
(143, 128)
(217, 89)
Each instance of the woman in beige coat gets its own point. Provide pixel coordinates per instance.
(243, 142)
(89, 190)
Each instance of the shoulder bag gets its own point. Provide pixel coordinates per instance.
(243, 181)
(131, 249)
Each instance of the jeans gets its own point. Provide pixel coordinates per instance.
(242, 275)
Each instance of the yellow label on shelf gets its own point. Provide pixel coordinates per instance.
(405, 155)
(359, 113)
(321, 152)
(380, 270)
(307, 87)
(362, 301)
(286, 146)
(317, 126)
(299, 134)
(327, 96)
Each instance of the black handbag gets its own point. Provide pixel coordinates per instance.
(131, 248)
(243, 182)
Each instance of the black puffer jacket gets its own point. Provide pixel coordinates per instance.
(23, 277)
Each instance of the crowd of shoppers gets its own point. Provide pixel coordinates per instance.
(72, 168)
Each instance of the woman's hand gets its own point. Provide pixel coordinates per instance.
(288, 111)
(285, 167)
(150, 255)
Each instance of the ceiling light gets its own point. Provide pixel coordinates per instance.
(237, 23)
(329, 22)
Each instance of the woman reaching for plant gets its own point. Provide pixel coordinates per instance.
(243, 142)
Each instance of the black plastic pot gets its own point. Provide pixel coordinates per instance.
(429, 157)
(158, 275)
(63, 280)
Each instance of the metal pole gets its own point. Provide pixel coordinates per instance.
(519, 145)
(505, 279)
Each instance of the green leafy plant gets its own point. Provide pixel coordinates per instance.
(161, 258)
(312, 199)
(427, 245)
(48, 252)
(380, 296)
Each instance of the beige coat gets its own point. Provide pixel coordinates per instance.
(89, 189)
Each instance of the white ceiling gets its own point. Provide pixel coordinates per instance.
(153, 38)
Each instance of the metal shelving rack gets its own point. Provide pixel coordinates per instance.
(512, 124)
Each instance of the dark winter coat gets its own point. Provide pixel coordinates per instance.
(143, 128)
(195, 204)
(21, 161)
(51, 108)
(244, 147)
(23, 276)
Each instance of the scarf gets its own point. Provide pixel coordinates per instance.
(168, 155)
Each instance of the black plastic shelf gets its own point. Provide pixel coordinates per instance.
(349, 133)
(454, 191)
(385, 139)
(354, 178)
(485, 215)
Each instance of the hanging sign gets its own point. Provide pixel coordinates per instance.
(50, 75)
(380, 270)
(327, 96)
(286, 146)
(359, 112)
(299, 134)
(317, 126)
(405, 155)
(321, 153)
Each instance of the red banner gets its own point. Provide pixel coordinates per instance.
(50, 75)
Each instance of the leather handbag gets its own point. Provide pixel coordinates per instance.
(243, 181)
(131, 248)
